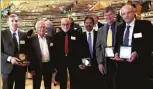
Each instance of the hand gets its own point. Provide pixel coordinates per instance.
(133, 56)
(15, 60)
(101, 68)
(32, 73)
(23, 64)
(117, 58)
(82, 67)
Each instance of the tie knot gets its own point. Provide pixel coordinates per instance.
(89, 33)
(128, 26)
(14, 34)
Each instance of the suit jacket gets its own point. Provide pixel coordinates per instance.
(7, 47)
(76, 27)
(101, 44)
(74, 46)
(34, 53)
(141, 45)
(86, 51)
(100, 24)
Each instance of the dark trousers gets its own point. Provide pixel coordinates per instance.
(70, 64)
(92, 79)
(73, 74)
(111, 73)
(130, 80)
(16, 76)
(47, 77)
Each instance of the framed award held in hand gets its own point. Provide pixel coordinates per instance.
(86, 61)
(125, 52)
(109, 52)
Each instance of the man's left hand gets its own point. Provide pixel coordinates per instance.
(133, 57)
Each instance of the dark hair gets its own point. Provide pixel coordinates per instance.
(88, 17)
(109, 8)
(59, 28)
(12, 16)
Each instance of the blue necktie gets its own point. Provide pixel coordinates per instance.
(126, 36)
(90, 44)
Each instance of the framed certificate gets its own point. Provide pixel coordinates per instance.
(109, 52)
(125, 52)
(86, 62)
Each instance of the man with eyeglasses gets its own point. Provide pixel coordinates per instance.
(67, 54)
(133, 50)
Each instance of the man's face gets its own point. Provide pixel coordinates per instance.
(13, 23)
(41, 29)
(65, 25)
(89, 25)
(127, 15)
(109, 17)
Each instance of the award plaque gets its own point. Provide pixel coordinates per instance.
(86, 62)
(125, 52)
(109, 52)
(22, 58)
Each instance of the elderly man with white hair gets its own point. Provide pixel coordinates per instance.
(40, 56)
(67, 54)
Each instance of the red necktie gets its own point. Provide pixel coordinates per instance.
(66, 44)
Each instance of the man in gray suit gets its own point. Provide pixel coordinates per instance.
(106, 40)
(13, 42)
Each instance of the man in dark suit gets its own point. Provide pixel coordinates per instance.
(67, 54)
(74, 26)
(133, 71)
(40, 56)
(97, 24)
(106, 39)
(13, 43)
(92, 78)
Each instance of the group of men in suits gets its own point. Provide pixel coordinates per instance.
(70, 51)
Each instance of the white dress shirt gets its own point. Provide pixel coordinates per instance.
(131, 31)
(92, 36)
(17, 38)
(44, 48)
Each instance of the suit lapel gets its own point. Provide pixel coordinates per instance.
(10, 37)
(48, 43)
(104, 34)
(94, 39)
(37, 45)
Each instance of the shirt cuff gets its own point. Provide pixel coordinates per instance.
(9, 59)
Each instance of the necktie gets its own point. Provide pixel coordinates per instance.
(126, 36)
(66, 44)
(15, 43)
(90, 44)
(109, 37)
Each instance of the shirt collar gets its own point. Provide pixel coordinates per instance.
(14, 32)
(131, 24)
(40, 36)
(89, 32)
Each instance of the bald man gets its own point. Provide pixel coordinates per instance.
(133, 70)
(67, 54)
(40, 56)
